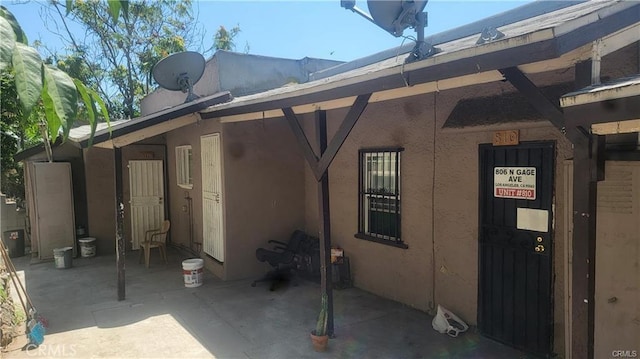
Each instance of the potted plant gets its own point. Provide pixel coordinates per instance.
(319, 336)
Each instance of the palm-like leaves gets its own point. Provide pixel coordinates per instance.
(36, 82)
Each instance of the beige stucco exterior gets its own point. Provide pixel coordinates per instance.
(439, 202)
(263, 191)
(269, 191)
(439, 205)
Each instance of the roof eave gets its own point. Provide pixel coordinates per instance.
(529, 48)
(155, 118)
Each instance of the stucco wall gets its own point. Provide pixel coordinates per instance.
(180, 216)
(263, 195)
(376, 267)
(101, 202)
(264, 183)
(439, 202)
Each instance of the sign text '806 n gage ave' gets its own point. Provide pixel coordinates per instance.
(514, 182)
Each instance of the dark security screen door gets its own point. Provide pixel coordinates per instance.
(515, 245)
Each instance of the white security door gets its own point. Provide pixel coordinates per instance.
(146, 187)
(212, 227)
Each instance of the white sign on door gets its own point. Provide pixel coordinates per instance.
(514, 182)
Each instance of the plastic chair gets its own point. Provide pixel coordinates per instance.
(155, 238)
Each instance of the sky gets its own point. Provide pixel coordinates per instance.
(294, 29)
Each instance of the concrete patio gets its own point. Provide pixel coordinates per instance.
(160, 318)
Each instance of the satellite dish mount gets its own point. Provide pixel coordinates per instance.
(394, 17)
(179, 72)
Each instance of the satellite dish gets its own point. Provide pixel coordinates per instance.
(179, 72)
(394, 17)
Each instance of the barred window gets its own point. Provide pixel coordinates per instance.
(379, 196)
(183, 166)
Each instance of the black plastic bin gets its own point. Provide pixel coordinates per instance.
(14, 241)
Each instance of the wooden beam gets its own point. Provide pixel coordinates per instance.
(536, 98)
(345, 128)
(120, 242)
(320, 166)
(143, 122)
(155, 130)
(583, 74)
(598, 155)
(612, 128)
(324, 218)
(602, 111)
(583, 246)
(303, 142)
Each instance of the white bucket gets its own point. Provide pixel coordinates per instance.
(192, 272)
(63, 257)
(87, 247)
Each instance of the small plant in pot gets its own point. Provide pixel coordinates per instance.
(319, 336)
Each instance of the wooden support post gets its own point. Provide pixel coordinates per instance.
(324, 219)
(584, 248)
(320, 167)
(120, 247)
(587, 169)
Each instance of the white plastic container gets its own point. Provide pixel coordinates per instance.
(87, 247)
(63, 257)
(192, 271)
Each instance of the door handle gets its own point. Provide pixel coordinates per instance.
(539, 248)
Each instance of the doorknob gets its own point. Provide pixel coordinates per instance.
(539, 248)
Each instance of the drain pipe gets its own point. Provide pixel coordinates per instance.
(189, 210)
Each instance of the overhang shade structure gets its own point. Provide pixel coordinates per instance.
(124, 133)
(545, 42)
(538, 38)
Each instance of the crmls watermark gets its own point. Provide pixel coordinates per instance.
(624, 354)
(51, 350)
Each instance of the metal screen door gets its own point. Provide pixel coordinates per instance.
(212, 222)
(515, 245)
(146, 187)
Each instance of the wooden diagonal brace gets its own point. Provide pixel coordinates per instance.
(303, 142)
(536, 98)
(338, 139)
(320, 166)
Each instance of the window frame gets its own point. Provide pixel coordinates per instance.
(184, 167)
(364, 195)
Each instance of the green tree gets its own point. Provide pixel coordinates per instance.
(117, 57)
(39, 85)
(16, 133)
(36, 101)
(223, 39)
